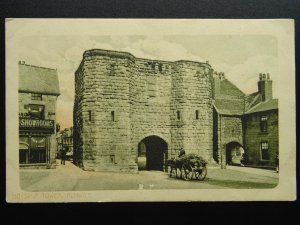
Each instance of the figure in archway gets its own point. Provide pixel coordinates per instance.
(234, 153)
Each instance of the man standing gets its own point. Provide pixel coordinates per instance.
(63, 156)
(181, 152)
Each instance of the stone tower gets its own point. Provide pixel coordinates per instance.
(125, 104)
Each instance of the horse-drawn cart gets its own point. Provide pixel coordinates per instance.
(190, 166)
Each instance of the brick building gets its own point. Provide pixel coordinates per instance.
(38, 92)
(132, 113)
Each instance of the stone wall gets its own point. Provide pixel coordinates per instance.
(254, 137)
(191, 93)
(120, 100)
(228, 129)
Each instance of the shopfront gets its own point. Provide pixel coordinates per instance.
(35, 136)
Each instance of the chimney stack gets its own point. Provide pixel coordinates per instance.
(265, 86)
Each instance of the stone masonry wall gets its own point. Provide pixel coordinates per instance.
(121, 99)
(254, 137)
(150, 101)
(192, 92)
(230, 130)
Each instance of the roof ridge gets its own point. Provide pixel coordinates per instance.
(47, 68)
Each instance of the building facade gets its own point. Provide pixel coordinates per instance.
(245, 123)
(38, 92)
(64, 141)
(132, 113)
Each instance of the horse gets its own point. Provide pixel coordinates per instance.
(174, 165)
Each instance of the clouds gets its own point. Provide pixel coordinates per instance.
(65, 54)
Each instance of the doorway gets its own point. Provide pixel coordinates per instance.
(153, 151)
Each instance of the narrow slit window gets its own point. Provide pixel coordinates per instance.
(112, 158)
(197, 114)
(90, 115)
(112, 115)
(178, 115)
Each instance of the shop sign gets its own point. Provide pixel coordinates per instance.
(36, 124)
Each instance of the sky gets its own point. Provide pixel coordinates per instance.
(240, 57)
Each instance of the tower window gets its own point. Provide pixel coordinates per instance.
(112, 114)
(90, 115)
(160, 66)
(178, 115)
(112, 70)
(112, 158)
(197, 114)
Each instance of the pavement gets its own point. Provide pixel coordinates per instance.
(71, 178)
(257, 171)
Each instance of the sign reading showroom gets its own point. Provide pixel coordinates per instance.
(25, 123)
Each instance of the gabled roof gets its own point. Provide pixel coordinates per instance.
(38, 79)
(264, 106)
(229, 106)
(230, 100)
(229, 89)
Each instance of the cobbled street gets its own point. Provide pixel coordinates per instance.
(71, 178)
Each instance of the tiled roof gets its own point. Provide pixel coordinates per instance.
(230, 106)
(38, 79)
(264, 106)
(229, 89)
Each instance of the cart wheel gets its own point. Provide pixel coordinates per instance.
(201, 174)
(187, 172)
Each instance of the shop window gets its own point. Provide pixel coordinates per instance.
(36, 111)
(23, 149)
(33, 152)
(264, 148)
(35, 96)
(197, 114)
(263, 124)
(178, 115)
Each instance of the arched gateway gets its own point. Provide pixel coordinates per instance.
(234, 153)
(152, 153)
